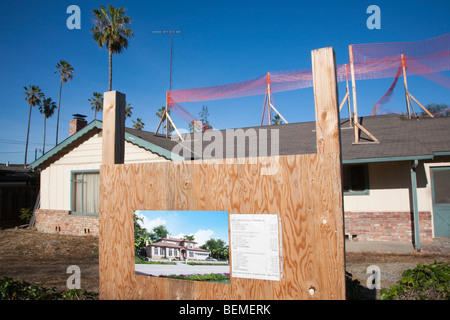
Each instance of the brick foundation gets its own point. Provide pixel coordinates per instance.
(62, 222)
(387, 226)
(363, 226)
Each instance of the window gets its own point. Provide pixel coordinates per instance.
(85, 192)
(356, 179)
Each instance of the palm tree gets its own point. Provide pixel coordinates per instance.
(96, 103)
(47, 108)
(112, 30)
(128, 111)
(138, 124)
(66, 71)
(33, 96)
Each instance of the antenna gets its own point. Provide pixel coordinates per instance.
(166, 113)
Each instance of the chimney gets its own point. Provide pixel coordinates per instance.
(77, 123)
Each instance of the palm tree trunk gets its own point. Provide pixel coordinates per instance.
(43, 146)
(57, 118)
(110, 69)
(28, 135)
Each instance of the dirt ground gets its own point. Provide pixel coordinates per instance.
(42, 259)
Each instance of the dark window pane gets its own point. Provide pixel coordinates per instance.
(357, 176)
(441, 184)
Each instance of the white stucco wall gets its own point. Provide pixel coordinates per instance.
(390, 184)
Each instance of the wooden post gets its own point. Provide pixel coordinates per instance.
(405, 83)
(355, 106)
(167, 113)
(348, 97)
(326, 100)
(113, 145)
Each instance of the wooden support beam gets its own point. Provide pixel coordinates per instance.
(355, 105)
(343, 101)
(348, 97)
(178, 132)
(420, 105)
(405, 83)
(113, 143)
(371, 136)
(326, 100)
(271, 105)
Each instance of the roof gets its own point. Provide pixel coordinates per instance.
(15, 173)
(176, 240)
(173, 245)
(400, 139)
(147, 140)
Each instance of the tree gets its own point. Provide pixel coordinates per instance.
(160, 232)
(96, 103)
(276, 120)
(47, 108)
(138, 124)
(438, 110)
(128, 111)
(33, 95)
(189, 237)
(217, 247)
(141, 235)
(66, 71)
(112, 30)
(204, 117)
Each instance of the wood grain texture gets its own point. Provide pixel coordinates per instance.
(326, 100)
(113, 145)
(304, 190)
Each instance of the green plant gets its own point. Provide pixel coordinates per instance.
(26, 214)
(21, 290)
(425, 282)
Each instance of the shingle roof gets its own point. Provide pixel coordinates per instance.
(398, 137)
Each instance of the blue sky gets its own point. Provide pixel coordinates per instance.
(222, 42)
(202, 224)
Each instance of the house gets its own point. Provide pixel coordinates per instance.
(172, 248)
(387, 185)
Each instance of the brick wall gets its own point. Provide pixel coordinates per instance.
(387, 226)
(366, 226)
(62, 222)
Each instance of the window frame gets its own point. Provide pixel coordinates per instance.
(351, 192)
(72, 180)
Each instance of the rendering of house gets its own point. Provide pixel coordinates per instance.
(388, 185)
(172, 248)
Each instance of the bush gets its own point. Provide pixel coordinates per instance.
(200, 277)
(26, 214)
(425, 282)
(22, 290)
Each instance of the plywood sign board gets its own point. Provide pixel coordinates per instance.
(305, 194)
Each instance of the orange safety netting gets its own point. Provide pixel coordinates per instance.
(371, 61)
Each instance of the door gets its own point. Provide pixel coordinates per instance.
(440, 178)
